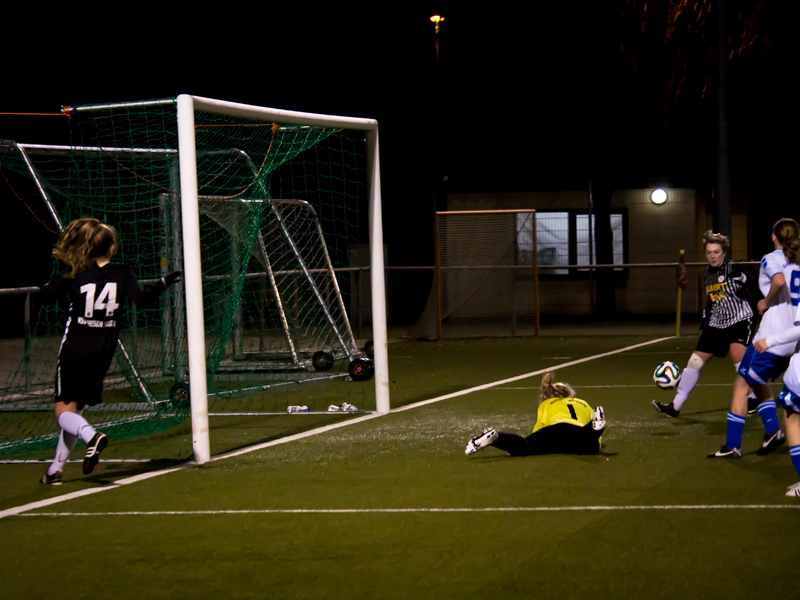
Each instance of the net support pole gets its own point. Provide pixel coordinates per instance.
(378, 274)
(678, 311)
(190, 213)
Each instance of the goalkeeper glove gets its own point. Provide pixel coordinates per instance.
(171, 278)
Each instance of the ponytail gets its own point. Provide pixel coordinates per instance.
(554, 389)
(787, 232)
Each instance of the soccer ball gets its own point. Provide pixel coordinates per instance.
(667, 375)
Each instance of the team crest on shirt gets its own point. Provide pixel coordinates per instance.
(721, 278)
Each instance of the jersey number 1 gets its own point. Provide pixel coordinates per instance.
(107, 299)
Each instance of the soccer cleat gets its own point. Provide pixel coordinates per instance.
(599, 419)
(93, 449)
(752, 404)
(793, 490)
(487, 438)
(726, 452)
(771, 442)
(667, 409)
(54, 479)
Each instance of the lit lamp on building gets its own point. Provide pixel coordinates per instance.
(658, 196)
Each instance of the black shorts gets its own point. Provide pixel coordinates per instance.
(80, 382)
(717, 341)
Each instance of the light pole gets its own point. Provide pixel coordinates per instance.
(436, 19)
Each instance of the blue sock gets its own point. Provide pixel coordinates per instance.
(769, 415)
(735, 429)
(794, 454)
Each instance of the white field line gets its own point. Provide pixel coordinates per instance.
(527, 375)
(642, 385)
(17, 510)
(337, 511)
(43, 461)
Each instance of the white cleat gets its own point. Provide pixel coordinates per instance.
(793, 490)
(599, 420)
(487, 438)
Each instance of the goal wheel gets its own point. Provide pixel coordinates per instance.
(179, 395)
(369, 349)
(361, 369)
(322, 361)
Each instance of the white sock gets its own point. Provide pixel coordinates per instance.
(685, 386)
(66, 442)
(76, 425)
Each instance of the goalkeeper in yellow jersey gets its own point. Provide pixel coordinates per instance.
(564, 425)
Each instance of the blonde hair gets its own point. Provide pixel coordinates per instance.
(554, 389)
(709, 237)
(787, 232)
(84, 241)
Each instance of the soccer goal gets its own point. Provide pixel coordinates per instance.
(486, 281)
(259, 208)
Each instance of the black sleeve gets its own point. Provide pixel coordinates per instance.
(142, 298)
(57, 287)
(750, 291)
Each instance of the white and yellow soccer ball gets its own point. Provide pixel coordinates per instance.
(667, 375)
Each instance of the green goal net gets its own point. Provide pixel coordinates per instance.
(282, 209)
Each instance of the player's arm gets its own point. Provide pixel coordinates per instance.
(749, 290)
(57, 287)
(707, 313)
(147, 298)
(787, 336)
(776, 284)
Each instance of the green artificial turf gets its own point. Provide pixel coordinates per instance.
(415, 460)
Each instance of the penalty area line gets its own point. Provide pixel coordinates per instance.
(338, 511)
(494, 384)
(18, 510)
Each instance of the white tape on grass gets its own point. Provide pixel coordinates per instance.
(18, 510)
(339, 511)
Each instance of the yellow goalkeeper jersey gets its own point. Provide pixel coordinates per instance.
(563, 410)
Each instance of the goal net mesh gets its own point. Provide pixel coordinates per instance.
(486, 283)
(279, 205)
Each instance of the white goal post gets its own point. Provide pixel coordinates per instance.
(187, 107)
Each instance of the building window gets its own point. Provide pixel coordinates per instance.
(562, 238)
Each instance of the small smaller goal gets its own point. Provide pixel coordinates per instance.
(486, 274)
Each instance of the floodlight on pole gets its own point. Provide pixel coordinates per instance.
(436, 19)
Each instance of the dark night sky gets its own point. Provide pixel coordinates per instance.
(522, 100)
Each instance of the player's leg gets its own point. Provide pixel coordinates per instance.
(757, 369)
(789, 399)
(516, 445)
(736, 420)
(793, 435)
(767, 410)
(689, 377)
(73, 422)
(561, 438)
(80, 383)
(487, 438)
(66, 443)
(736, 352)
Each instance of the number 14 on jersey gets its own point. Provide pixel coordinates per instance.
(106, 301)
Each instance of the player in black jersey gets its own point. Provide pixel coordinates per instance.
(728, 317)
(97, 289)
